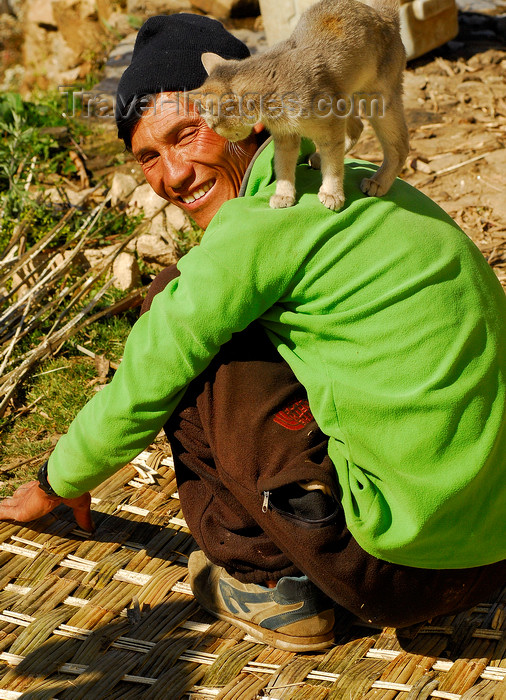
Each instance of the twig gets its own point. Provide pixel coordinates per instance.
(19, 230)
(45, 348)
(451, 168)
(30, 174)
(60, 269)
(26, 461)
(16, 336)
(93, 355)
(118, 306)
(40, 245)
(105, 265)
(50, 371)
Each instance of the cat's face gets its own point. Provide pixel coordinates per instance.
(223, 114)
(224, 110)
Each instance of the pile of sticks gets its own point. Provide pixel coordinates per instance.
(39, 286)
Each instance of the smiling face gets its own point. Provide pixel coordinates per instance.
(187, 163)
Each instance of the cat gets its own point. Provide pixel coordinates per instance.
(340, 49)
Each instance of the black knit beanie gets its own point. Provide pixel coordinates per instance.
(167, 58)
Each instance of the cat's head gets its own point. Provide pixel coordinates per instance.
(224, 105)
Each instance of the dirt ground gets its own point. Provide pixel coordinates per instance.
(455, 101)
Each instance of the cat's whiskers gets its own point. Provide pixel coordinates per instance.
(235, 149)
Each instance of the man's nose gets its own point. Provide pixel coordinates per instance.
(176, 172)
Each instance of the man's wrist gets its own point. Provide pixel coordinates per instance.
(44, 482)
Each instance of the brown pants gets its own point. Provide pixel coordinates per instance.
(244, 428)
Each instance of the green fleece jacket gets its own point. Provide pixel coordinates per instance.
(392, 320)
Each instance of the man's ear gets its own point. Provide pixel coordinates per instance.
(211, 60)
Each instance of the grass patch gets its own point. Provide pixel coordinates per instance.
(56, 392)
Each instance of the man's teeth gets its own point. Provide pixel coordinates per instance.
(199, 193)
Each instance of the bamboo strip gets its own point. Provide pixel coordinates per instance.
(203, 658)
(30, 543)
(74, 669)
(154, 647)
(178, 521)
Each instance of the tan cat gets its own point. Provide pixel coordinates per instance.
(341, 53)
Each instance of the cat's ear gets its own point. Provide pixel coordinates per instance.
(211, 60)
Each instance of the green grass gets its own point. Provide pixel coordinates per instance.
(27, 149)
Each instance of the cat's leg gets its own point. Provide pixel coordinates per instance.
(392, 133)
(315, 161)
(286, 152)
(330, 140)
(354, 126)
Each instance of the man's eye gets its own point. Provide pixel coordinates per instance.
(147, 158)
(186, 134)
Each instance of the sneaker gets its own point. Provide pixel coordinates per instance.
(293, 616)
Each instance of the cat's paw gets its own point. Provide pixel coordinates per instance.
(372, 188)
(281, 201)
(332, 200)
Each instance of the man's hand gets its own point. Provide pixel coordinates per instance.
(29, 502)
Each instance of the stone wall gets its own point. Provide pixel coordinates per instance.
(64, 40)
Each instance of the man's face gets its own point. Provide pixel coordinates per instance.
(187, 163)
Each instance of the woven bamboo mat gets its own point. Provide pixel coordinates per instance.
(114, 618)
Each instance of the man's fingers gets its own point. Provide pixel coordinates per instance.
(7, 510)
(29, 502)
(23, 487)
(83, 519)
(82, 513)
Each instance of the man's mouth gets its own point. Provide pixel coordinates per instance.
(198, 194)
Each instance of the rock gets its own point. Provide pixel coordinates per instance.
(222, 9)
(98, 256)
(156, 249)
(126, 272)
(11, 40)
(255, 40)
(60, 38)
(94, 256)
(158, 225)
(145, 199)
(147, 8)
(176, 219)
(281, 17)
(41, 13)
(121, 187)
(70, 196)
(120, 23)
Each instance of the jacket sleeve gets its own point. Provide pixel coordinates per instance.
(228, 281)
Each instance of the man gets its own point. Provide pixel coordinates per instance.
(383, 320)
